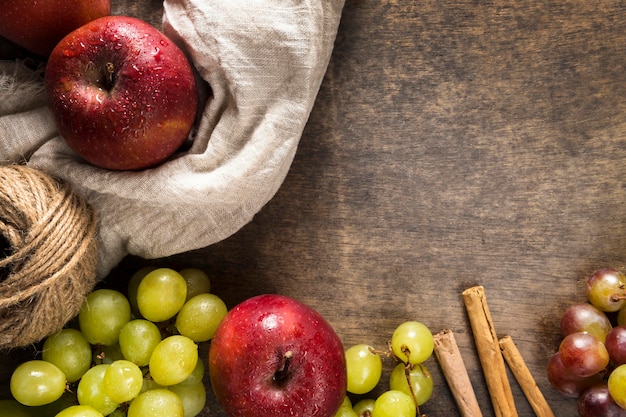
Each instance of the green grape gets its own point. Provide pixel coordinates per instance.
(67, 399)
(198, 282)
(346, 402)
(102, 316)
(173, 360)
(119, 412)
(394, 404)
(345, 410)
(421, 380)
(80, 411)
(13, 408)
(364, 368)
(193, 397)
(69, 351)
(133, 284)
(138, 338)
(199, 317)
(37, 382)
(122, 381)
(91, 390)
(107, 354)
(364, 406)
(412, 342)
(161, 294)
(156, 403)
(605, 289)
(196, 375)
(617, 385)
(149, 384)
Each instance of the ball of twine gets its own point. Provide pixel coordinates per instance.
(49, 255)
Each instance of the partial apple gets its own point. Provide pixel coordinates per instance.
(38, 25)
(275, 356)
(123, 95)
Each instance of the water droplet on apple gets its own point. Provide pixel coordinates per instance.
(69, 52)
(99, 41)
(163, 42)
(157, 54)
(136, 72)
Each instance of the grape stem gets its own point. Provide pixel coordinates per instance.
(407, 374)
(619, 296)
(385, 353)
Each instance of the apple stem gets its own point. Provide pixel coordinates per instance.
(110, 75)
(281, 374)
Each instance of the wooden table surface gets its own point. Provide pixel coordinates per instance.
(451, 144)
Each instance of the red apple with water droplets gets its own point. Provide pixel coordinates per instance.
(275, 356)
(123, 95)
(38, 25)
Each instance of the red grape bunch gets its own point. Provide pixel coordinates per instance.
(590, 364)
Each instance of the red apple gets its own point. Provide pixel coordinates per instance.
(38, 25)
(275, 356)
(122, 94)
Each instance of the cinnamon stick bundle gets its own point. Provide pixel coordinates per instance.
(489, 352)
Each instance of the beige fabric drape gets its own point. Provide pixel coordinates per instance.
(264, 61)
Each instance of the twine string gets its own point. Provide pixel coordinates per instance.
(52, 259)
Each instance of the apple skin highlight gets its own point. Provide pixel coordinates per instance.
(123, 95)
(275, 356)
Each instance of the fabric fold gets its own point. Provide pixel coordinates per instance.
(262, 63)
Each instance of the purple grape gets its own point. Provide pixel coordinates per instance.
(585, 318)
(616, 345)
(597, 402)
(583, 354)
(564, 381)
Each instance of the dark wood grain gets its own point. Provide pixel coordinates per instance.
(452, 144)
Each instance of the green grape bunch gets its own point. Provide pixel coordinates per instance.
(126, 354)
(410, 382)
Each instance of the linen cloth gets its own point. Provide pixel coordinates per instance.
(264, 61)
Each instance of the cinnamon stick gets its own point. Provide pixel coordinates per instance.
(449, 358)
(489, 352)
(525, 379)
